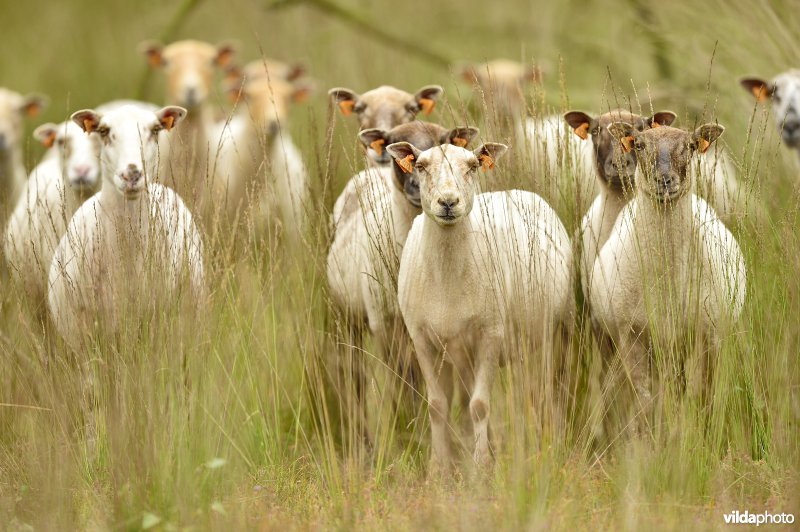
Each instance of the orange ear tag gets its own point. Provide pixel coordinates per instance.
(760, 92)
(168, 122)
(406, 163)
(703, 145)
(346, 106)
(427, 105)
(460, 142)
(377, 145)
(487, 163)
(89, 125)
(49, 140)
(583, 130)
(655, 125)
(626, 143)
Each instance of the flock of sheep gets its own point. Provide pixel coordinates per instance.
(111, 224)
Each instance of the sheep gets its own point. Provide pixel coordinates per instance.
(68, 175)
(474, 268)
(372, 219)
(671, 272)
(784, 93)
(257, 158)
(130, 249)
(548, 147)
(615, 169)
(189, 70)
(384, 108)
(13, 108)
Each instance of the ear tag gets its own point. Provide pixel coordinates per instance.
(626, 143)
(49, 140)
(427, 105)
(154, 59)
(377, 145)
(89, 125)
(346, 106)
(487, 162)
(760, 92)
(460, 142)
(703, 145)
(406, 163)
(655, 124)
(583, 130)
(168, 122)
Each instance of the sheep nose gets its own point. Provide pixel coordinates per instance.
(448, 203)
(82, 170)
(132, 174)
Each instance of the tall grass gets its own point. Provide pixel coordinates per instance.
(235, 424)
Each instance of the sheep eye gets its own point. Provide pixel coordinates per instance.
(103, 131)
(60, 143)
(155, 130)
(638, 145)
(412, 108)
(359, 108)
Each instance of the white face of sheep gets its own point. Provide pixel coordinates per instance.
(129, 143)
(13, 109)
(784, 93)
(447, 180)
(663, 156)
(78, 153)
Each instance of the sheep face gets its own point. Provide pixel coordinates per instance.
(129, 143)
(447, 178)
(615, 166)
(423, 136)
(501, 81)
(189, 68)
(269, 100)
(13, 109)
(663, 154)
(78, 153)
(784, 93)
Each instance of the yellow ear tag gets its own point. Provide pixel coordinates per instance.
(427, 105)
(346, 106)
(583, 130)
(626, 143)
(168, 122)
(89, 125)
(406, 164)
(460, 142)
(487, 163)
(703, 145)
(49, 140)
(377, 145)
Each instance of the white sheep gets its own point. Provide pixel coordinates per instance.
(13, 109)
(258, 169)
(474, 268)
(189, 68)
(784, 94)
(372, 218)
(545, 144)
(129, 250)
(68, 174)
(670, 273)
(384, 108)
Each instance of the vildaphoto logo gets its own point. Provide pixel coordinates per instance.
(764, 518)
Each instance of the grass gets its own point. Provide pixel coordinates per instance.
(243, 435)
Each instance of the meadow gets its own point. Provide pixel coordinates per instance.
(231, 422)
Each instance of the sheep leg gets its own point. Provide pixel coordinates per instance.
(634, 352)
(438, 375)
(479, 404)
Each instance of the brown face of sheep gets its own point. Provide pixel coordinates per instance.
(784, 94)
(615, 166)
(423, 136)
(664, 154)
(189, 68)
(447, 180)
(501, 82)
(385, 107)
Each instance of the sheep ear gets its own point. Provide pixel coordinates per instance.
(152, 51)
(488, 153)
(225, 53)
(33, 104)
(580, 122)
(404, 155)
(46, 134)
(624, 133)
(459, 136)
(233, 75)
(87, 119)
(705, 135)
(760, 89)
(345, 99)
(374, 138)
(426, 97)
(662, 118)
(295, 71)
(302, 91)
(170, 116)
(468, 73)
